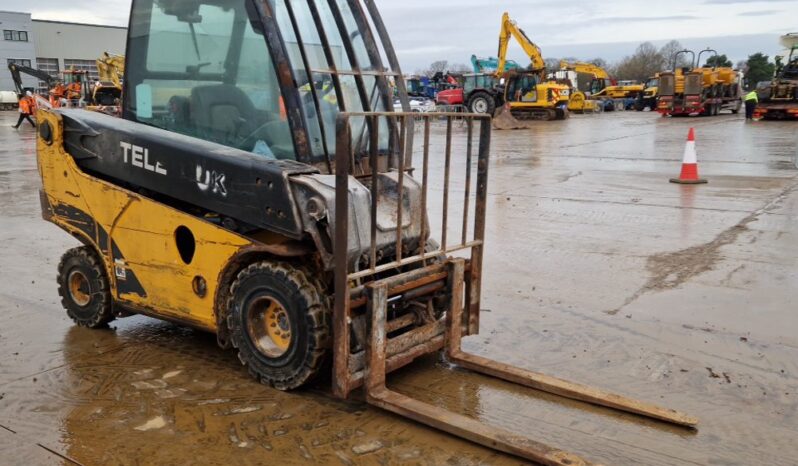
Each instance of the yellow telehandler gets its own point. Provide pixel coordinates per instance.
(260, 186)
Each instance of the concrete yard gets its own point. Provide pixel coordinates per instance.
(598, 270)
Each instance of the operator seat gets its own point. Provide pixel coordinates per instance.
(222, 113)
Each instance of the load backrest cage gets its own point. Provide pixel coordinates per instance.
(350, 284)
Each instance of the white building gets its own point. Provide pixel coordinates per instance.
(16, 45)
(53, 46)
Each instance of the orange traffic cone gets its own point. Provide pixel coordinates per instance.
(689, 173)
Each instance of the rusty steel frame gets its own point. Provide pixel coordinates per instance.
(460, 279)
(428, 277)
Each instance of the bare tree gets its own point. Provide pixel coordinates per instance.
(438, 66)
(600, 62)
(552, 64)
(460, 68)
(668, 51)
(644, 63)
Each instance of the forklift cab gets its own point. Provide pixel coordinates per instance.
(265, 77)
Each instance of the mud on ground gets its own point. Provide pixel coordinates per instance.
(598, 270)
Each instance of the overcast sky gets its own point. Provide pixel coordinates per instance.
(424, 30)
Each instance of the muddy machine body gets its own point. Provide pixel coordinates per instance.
(260, 186)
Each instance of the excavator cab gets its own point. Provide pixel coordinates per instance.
(260, 186)
(531, 98)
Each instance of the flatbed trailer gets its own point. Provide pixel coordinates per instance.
(695, 105)
(699, 90)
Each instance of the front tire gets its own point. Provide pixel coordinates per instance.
(280, 324)
(83, 287)
(482, 102)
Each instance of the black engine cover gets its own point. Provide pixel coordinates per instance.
(233, 183)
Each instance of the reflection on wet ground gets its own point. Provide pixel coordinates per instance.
(598, 270)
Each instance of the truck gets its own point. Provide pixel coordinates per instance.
(699, 90)
(8, 100)
(778, 100)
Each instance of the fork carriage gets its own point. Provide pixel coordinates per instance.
(367, 296)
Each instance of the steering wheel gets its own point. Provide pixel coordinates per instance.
(248, 143)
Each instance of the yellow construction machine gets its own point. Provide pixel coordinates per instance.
(602, 88)
(106, 93)
(528, 94)
(289, 219)
(699, 90)
(648, 98)
(579, 100)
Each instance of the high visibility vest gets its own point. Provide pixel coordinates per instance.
(752, 96)
(24, 105)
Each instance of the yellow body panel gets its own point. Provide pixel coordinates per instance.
(539, 98)
(578, 103)
(144, 231)
(620, 92)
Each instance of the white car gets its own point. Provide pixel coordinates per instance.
(417, 104)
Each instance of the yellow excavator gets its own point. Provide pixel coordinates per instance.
(579, 101)
(107, 92)
(528, 95)
(602, 87)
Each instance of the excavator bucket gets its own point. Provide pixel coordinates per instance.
(367, 300)
(504, 120)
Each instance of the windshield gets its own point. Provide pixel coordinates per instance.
(269, 78)
(335, 70)
(203, 68)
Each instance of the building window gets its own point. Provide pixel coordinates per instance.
(83, 65)
(18, 36)
(49, 66)
(19, 61)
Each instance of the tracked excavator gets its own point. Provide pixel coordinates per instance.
(580, 101)
(260, 186)
(528, 94)
(602, 89)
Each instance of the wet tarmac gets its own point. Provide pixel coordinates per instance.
(597, 270)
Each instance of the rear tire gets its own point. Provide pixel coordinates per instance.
(83, 287)
(280, 324)
(482, 102)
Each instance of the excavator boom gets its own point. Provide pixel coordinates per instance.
(510, 29)
(18, 70)
(111, 68)
(582, 67)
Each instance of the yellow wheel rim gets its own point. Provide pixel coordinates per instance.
(269, 326)
(79, 289)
